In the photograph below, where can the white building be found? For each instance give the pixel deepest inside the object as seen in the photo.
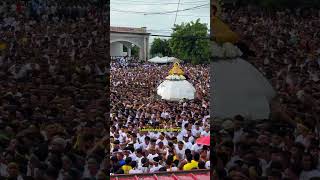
(126, 36)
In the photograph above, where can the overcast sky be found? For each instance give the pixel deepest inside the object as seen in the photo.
(129, 13)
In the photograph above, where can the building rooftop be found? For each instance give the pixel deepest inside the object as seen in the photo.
(142, 30)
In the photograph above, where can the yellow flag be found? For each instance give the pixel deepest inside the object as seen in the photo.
(176, 70)
(3, 46)
(222, 33)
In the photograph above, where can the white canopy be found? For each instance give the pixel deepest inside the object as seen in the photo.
(156, 59)
(163, 60)
(175, 90)
(240, 89)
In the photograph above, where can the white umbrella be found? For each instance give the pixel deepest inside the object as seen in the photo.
(156, 59)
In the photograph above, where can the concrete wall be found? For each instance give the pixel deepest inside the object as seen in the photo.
(116, 49)
(140, 40)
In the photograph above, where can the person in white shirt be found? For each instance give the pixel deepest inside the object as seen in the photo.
(152, 154)
(187, 143)
(170, 165)
(135, 169)
(118, 137)
(144, 165)
(139, 157)
(196, 148)
(196, 129)
(152, 144)
(156, 165)
(309, 168)
(207, 165)
(141, 136)
(180, 149)
(3, 170)
(135, 141)
(161, 149)
(185, 129)
(206, 132)
(145, 142)
(162, 139)
(155, 135)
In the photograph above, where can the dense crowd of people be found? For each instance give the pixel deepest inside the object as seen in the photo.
(142, 140)
(53, 68)
(284, 46)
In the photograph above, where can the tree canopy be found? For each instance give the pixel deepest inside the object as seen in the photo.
(190, 42)
(160, 47)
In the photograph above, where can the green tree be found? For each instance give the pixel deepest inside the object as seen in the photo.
(125, 49)
(190, 42)
(160, 47)
(135, 51)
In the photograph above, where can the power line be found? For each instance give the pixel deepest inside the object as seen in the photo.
(181, 15)
(187, 9)
(156, 1)
(165, 12)
(175, 19)
(155, 4)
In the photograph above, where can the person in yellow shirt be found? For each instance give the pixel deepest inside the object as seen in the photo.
(196, 160)
(127, 167)
(192, 164)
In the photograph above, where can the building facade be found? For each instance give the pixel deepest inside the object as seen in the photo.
(126, 36)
